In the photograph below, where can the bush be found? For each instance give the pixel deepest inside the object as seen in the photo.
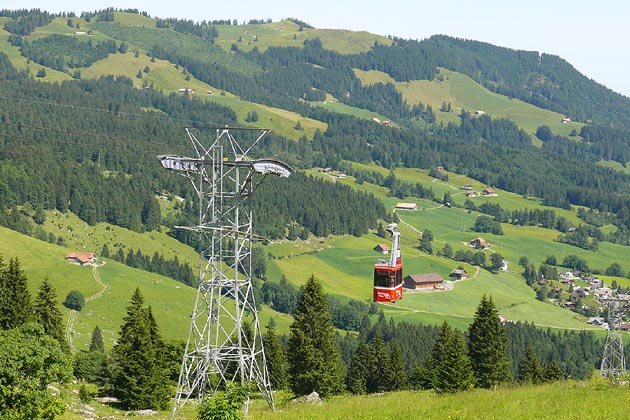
(90, 366)
(86, 395)
(224, 405)
(74, 300)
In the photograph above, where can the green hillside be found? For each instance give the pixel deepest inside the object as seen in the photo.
(288, 34)
(450, 87)
(172, 302)
(81, 237)
(462, 92)
(345, 264)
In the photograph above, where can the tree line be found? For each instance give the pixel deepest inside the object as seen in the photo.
(390, 356)
(64, 53)
(181, 272)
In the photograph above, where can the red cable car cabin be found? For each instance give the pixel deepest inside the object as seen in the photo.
(388, 277)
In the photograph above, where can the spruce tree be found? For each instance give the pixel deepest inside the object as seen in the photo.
(421, 376)
(15, 300)
(358, 370)
(364, 330)
(487, 344)
(552, 372)
(399, 375)
(314, 360)
(97, 344)
(382, 328)
(380, 377)
(277, 364)
(529, 369)
(48, 315)
(452, 370)
(138, 370)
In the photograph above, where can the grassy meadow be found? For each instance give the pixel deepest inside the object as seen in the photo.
(81, 237)
(341, 108)
(595, 399)
(563, 400)
(464, 93)
(286, 33)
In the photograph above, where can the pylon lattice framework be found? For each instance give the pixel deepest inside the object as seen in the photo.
(613, 360)
(225, 340)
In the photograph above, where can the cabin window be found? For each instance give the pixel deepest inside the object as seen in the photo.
(381, 278)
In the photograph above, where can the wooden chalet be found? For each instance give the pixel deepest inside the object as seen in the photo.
(406, 206)
(458, 274)
(423, 281)
(80, 258)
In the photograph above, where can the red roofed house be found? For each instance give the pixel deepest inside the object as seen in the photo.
(384, 248)
(479, 243)
(80, 258)
(424, 281)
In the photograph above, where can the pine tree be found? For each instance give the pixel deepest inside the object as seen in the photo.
(15, 300)
(397, 367)
(529, 370)
(364, 330)
(97, 343)
(314, 360)
(380, 230)
(382, 328)
(277, 364)
(380, 377)
(105, 251)
(447, 251)
(487, 344)
(425, 244)
(421, 376)
(48, 315)
(452, 370)
(356, 376)
(552, 372)
(138, 370)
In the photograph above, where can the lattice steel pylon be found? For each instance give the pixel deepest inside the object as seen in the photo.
(613, 360)
(225, 339)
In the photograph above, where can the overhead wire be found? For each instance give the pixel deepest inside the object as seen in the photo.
(87, 134)
(130, 142)
(142, 115)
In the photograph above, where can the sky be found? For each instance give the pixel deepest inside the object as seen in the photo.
(591, 35)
